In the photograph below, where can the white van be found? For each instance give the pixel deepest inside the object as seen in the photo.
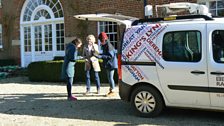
(176, 61)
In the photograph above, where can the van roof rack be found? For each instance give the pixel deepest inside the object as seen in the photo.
(170, 18)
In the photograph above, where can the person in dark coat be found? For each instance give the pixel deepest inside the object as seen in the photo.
(68, 67)
(109, 60)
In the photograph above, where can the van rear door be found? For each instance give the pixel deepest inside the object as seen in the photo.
(120, 19)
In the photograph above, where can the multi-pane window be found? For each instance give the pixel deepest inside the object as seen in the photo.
(43, 39)
(110, 28)
(216, 7)
(48, 37)
(1, 44)
(182, 46)
(55, 6)
(38, 38)
(42, 13)
(60, 37)
(27, 39)
(218, 46)
(0, 3)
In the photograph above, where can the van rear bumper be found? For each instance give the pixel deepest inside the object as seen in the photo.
(124, 90)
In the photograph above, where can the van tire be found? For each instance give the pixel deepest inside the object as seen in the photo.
(146, 101)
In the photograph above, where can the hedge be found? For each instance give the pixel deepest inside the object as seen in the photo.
(7, 62)
(50, 71)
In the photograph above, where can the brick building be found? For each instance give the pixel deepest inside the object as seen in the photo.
(34, 30)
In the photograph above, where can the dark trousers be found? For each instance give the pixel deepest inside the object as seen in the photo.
(69, 86)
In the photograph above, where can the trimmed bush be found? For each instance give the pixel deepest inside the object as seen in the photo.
(45, 71)
(51, 71)
(7, 62)
(58, 58)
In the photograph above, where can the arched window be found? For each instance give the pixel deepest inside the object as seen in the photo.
(54, 5)
(42, 30)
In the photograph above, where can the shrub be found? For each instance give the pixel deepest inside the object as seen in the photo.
(58, 58)
(51, 71)
(45, 71)
(7, 62)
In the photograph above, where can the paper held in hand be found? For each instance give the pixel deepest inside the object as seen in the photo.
(95, 63)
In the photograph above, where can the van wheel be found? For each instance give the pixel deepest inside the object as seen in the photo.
(147, 102)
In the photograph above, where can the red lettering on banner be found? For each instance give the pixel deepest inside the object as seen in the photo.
(149, 41)
(155, 47)
(149, 32)
(152, 29)
(135, 47)
(156, 26)
(137, 72)
(128, 55)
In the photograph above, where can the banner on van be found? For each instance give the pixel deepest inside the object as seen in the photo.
(139, 44)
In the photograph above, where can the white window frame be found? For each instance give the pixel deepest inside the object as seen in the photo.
(1, 43)
(109, 32)
(207, 3)
(57, 17)
(0, 3)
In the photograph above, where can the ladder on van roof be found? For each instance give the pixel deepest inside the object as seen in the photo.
(179, 7)
(196, 11)
(170, 18)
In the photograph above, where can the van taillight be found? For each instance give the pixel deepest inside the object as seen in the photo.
(119, 67)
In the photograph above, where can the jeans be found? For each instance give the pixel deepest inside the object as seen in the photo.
(69, 86)
(110, 77)
(88, 82)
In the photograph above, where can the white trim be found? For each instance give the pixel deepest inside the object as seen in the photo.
(42, 38)
(54, 41)
(207, 2)
(32, 23)
(98, 32)
(42, 7)
(32, 43)
(22, 46)
(1, 37)
(36, 9)
(0, 3)
(48, 21)
(23, 10)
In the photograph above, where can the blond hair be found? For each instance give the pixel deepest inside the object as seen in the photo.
(91, 37)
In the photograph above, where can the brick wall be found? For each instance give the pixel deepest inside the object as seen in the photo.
(10, 20)
(11, 10)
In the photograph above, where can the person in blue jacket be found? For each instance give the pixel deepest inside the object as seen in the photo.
(109, 60)
(68, 67)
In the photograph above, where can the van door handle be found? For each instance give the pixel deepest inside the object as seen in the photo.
(197, 72)
(217, 73)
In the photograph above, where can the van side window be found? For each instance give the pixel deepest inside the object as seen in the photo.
(182, 46)
(218, 46)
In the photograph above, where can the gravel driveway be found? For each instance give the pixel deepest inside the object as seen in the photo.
(25, 103)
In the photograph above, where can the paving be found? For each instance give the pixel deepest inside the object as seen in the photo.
(25, 103)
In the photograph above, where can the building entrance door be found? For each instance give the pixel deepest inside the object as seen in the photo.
(41, 31)
(43, 46)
